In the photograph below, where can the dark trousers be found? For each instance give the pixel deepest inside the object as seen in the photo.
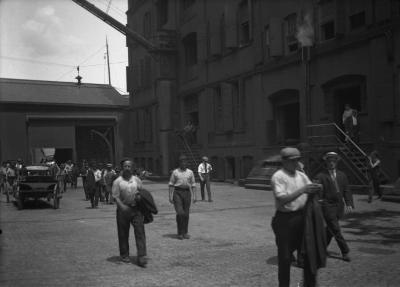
(288, 228)
(182, 199)
(124, 220)
(94, 197)
(85, 189)
(331, 215)
(205, 183)
(375, 184)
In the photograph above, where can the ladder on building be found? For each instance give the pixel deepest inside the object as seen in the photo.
(330, 137)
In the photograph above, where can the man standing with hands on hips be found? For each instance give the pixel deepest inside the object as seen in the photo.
(204, 171)
(182, 188)
(291, 188)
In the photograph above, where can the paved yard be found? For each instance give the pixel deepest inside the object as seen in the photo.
(232, 244)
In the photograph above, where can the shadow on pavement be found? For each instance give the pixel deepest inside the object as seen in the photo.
(171, 235)
(35, 204)
(117, 260)
(360, 225)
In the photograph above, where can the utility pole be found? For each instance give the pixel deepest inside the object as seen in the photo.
(108, 63)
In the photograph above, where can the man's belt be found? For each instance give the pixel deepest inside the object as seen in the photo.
(182, 188)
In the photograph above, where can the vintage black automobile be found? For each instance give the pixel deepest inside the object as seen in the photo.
(37, 181)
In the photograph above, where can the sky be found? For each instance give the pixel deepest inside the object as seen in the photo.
(48, 39)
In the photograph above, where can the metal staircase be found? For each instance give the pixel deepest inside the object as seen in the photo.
(192, 152)
(329, 137)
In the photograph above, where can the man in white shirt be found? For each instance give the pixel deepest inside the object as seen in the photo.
(291, 188)
(204, 171)
(125, 192)
(182, 187)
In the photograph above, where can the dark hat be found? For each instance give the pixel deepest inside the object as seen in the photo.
(125, 159)
(182, 157)
(331, 154)
(290, 153)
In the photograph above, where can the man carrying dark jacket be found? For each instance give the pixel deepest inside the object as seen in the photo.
(336, 199)
(125, 191)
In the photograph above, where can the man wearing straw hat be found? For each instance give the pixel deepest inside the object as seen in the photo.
(204, 171)
(336, 199)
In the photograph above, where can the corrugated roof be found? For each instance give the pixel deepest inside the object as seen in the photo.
(60, 93)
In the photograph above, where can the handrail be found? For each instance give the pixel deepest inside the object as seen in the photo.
(187, 147)
(343, 133)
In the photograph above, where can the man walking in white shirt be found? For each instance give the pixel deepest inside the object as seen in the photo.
(204, 171)
(125, 192)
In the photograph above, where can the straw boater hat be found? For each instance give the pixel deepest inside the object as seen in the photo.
(204, 158)
(331, 154)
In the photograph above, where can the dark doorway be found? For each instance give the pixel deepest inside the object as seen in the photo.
(347, 95)
(288, 116)
(230, 168)
(62, 155)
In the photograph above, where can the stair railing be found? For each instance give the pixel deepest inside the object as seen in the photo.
(353, 147)
(186, 146)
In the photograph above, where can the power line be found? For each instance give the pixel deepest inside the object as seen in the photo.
(35, 61)
(90, 56)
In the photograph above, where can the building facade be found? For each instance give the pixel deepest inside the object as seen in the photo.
(238, 71)
(74, 122)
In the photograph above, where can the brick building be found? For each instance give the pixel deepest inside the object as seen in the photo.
(237, 70)
(76, 122)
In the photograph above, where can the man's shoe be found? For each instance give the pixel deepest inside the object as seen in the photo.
(346, 257)
(186, 236)
(142, 261)
(180, 237)
(126, 259)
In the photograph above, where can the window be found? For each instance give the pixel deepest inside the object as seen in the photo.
(218, 115)
(267, 42)
(244, 23)
(187, 3)
(238, 105)
(147, 25)
(145, 72)
(357, 20)
(148, 124)
(291, 28)
(328, 30)
(162, 12)
(190, 48)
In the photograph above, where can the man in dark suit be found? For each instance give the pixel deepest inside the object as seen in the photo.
(336, 200)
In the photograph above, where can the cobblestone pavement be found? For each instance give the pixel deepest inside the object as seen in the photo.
(232, 244)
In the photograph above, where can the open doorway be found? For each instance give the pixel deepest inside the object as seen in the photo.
(346, 95)
(288, 120)
(287, 116)
(62, 155)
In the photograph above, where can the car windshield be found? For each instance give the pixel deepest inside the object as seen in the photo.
(38, 171)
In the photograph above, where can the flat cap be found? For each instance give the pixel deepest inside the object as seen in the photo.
(290, 153)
